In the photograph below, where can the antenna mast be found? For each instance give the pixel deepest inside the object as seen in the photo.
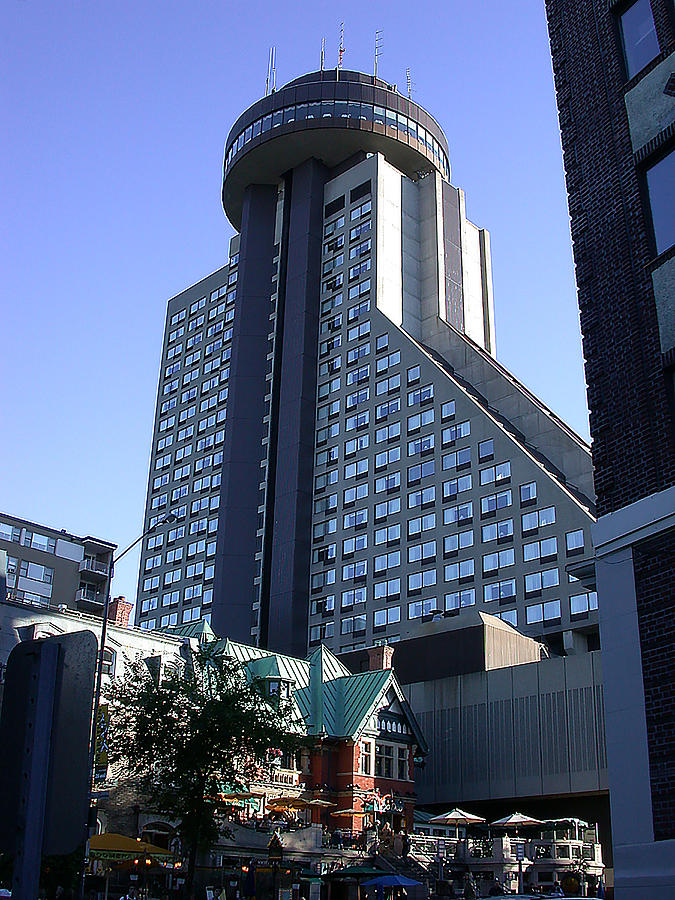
(274, 69)
(341, 50)
(269, 73)
(378, 49)
(409, 82)
(323, 52)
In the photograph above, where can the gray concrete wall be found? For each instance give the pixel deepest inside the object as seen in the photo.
(527, 731)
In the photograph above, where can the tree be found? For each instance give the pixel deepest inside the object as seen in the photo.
(186, 734)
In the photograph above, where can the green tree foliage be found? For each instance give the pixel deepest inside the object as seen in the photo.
(185, 735)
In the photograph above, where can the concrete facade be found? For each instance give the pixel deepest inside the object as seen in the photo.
(50, 567)
(371, 464)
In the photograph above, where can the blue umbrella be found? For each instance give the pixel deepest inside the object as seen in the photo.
(391, 881)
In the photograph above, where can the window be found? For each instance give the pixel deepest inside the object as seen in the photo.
(387, 590)
(453, 543)
(387, 561)
(391, 482)
(417, 609)
(389, 616)
(583, 603)
(421, 395)
(422, 445)
(492, 502)
(319, 632)
(386, 362)
(425, 552)
(574, 541)
(461, 513)
(388, 385)
(420, 420)
(450, 434)
(492, 562)
(351, 598)
(366, 757)
(544, 549)
(388, 535)
(387, 457)
(500, 472)
(497, 531)
(459, 570)
(509, 615)
(486, 449)
(419, 580)
(356, 469)
(542, 612)
(455, 486)
(661, 190)
(538, 581)
(528, 493)
(413, 374)
(425, 497)
(421, 470)
(403, 766)
(388, 433)
(387, 508)
(500, 590)
(384, 761)
(448, 410)
(458, 459)
(638, 36)
(351, 495)
(460, 599)
(353, 624)
(537, 519)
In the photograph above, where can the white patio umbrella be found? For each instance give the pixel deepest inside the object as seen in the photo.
(516, 820)
(456, 816)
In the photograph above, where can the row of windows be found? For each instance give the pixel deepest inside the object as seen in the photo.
(171, 619)
(548, 611)
(341, 109)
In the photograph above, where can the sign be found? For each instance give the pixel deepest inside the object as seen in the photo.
(520, 851)
(441, 848)
(101, 752)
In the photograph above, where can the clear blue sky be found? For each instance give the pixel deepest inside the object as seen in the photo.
(113, 116)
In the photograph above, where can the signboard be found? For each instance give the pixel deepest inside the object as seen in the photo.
(520, 851)
(441, 848)
(101, 752)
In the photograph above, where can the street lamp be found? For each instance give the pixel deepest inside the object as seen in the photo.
(165, 520)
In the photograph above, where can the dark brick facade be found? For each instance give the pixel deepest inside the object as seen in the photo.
(630, 418)
(654, 566)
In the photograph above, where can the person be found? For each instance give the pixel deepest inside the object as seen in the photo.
(398, 844)
(557, 890)
(406, 843)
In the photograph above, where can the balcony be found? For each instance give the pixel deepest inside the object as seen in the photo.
(91, 566)
(90, 598)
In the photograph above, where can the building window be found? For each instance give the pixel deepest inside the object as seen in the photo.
(384, 761)
(403, 764)
(574, 541)
(542, 612)
(661, 191)
(638, 36)
(366, 760)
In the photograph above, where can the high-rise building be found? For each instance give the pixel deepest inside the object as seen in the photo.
(345, 455)
(49, 567)
(614, 66)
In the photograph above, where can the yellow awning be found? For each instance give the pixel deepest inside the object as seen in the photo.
(118, 846)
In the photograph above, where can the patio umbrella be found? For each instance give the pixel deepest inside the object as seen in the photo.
(321, 803)
(348, 812)
(517, 820)
(456, 817)
(279, 803)
(391, 881)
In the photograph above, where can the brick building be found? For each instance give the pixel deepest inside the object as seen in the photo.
(614, 66)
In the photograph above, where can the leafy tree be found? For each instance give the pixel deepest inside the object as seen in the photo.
(183, 736)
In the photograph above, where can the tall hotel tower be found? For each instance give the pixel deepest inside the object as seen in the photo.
(344, 453)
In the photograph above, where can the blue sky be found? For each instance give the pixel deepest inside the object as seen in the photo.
(114, 114)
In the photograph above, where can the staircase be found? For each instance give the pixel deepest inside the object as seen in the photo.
(409, 868)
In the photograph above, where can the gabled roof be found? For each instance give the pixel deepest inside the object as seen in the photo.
(331, 700)
(200, 630)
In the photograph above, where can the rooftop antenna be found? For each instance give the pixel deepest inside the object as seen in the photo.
(408, 82)
(378, 49)
(269, 73)
(323, 52)
(274, 69)
(341, 50)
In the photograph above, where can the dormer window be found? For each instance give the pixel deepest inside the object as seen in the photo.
(279, 688)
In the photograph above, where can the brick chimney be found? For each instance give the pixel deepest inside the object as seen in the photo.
(119, 612)
(380, 657)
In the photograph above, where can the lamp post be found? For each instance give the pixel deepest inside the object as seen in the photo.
(165, 520)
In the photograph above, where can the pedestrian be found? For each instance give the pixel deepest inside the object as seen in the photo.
(406, 843)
